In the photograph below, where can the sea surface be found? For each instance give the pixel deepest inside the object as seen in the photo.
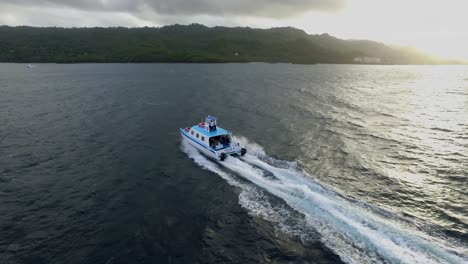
(345, 164)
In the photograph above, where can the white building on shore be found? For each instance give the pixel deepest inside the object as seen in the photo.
(370, 60)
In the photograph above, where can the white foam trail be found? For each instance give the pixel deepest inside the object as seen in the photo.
(254, 199)
(355, 233)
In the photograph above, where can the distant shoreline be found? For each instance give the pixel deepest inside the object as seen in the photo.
(197, 44)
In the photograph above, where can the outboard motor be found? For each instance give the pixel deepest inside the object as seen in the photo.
(223, 156)
(243, 151)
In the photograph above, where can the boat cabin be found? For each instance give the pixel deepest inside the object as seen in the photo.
(210, 134)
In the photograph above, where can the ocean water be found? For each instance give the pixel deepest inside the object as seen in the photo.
(345, 163)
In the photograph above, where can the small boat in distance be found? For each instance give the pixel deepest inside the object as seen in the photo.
(212, 140)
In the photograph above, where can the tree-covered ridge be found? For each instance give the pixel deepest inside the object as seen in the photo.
(192, 43)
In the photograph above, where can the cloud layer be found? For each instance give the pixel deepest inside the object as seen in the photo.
(263, 8)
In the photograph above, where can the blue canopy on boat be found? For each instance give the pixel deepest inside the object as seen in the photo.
(218, 132)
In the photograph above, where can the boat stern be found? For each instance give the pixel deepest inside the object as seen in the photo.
(235, 149)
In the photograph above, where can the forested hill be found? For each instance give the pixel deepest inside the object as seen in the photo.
(192, 43)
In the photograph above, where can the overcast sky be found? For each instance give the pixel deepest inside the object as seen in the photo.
(436, 26)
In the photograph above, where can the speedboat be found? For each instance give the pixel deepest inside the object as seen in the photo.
(212, 140)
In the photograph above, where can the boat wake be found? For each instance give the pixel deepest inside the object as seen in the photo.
(280, 192)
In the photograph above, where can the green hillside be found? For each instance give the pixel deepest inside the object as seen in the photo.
(193, 43)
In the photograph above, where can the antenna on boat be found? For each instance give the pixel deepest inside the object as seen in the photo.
(210, 123)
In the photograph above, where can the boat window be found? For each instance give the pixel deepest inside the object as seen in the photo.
(192, 132)
(203, 138)
(197, 135)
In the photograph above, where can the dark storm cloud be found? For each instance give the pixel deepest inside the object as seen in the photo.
(91, 5)
(264, 8)
(267, 8)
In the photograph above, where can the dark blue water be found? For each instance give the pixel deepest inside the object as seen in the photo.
(346, 163)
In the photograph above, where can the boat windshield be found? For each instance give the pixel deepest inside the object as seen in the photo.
(219, 142)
